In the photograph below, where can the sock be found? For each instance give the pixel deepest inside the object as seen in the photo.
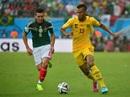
(39, 82)
(42, 74)
(97, 76)
(94, 82)
(101, 83)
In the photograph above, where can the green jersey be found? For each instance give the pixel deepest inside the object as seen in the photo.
(40, 32)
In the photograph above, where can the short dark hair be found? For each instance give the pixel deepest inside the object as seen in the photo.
(82, 6)
(39, 10)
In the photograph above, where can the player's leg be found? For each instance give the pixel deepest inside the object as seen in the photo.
(45, 57)
(42, 57)
(39, 83)
(42, 69)
(82, 64)
(96, 73)
(38, 62)
(86, 70)
(95, 86)
(88, 52)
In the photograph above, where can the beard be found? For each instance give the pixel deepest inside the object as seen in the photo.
(82, 18)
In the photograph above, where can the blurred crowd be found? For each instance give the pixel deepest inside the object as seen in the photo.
(110, 44)
(62, 8)
(66, 9)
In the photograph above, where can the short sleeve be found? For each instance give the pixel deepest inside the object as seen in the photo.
(50, 28)
(69, 23)
(95, 22)
(27, 28)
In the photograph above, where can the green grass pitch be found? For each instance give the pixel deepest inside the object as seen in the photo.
(18, 75)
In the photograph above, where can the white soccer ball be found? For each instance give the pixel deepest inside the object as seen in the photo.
(63, 88)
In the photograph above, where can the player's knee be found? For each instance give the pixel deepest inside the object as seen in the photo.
(90, 61)
(39, 66)
(45, 62)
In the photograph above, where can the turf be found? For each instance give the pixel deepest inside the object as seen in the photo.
(18, 75)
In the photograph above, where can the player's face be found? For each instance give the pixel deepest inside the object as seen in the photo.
(81, 14)
(39, 17)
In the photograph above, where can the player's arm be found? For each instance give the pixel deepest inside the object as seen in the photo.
(25, 40)
(52, 38)
(110, 32)
(63, 30)
(65, 26)
(99, 24)
(106, 29)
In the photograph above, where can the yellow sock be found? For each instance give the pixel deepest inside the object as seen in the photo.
(97, 75)
(101, 83)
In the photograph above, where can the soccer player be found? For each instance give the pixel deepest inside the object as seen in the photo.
(43, 39)
(83, 50)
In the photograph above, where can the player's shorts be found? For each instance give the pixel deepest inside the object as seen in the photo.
(82, 53)
(41, 52)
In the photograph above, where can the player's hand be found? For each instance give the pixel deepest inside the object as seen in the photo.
(69, 34)
(52, 50)
(116, 35)
(66, 33)
(29, 51)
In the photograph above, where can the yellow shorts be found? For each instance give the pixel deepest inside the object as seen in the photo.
(82, 53)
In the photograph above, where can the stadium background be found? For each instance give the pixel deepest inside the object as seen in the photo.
(14, 15)
(18, 74)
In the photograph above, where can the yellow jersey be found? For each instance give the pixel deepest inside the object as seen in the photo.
(81, 31)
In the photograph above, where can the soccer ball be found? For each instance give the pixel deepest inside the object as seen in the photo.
(63, 88)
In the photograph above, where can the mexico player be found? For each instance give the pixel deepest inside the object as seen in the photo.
(43, 44)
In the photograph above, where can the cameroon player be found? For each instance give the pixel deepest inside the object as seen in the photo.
(82, 26)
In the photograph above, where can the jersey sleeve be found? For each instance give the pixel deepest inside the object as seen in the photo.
(50, 28)
(27, 28)
(68, 23)
(95, 22)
